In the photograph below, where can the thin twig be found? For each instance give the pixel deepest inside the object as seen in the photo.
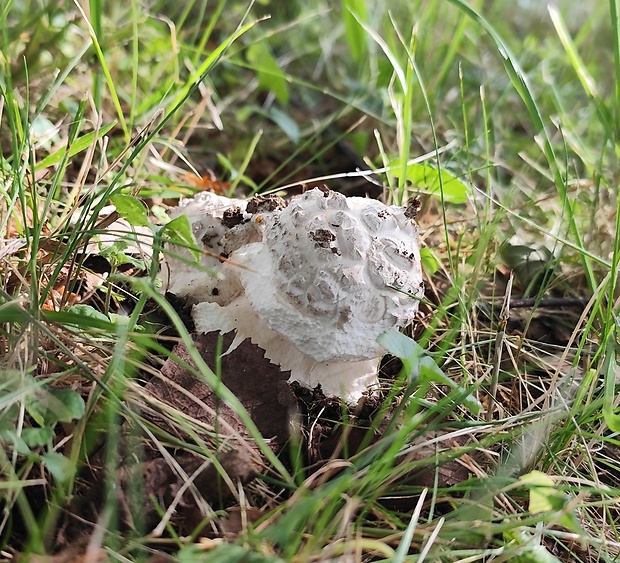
(499, 347)
(548, 302)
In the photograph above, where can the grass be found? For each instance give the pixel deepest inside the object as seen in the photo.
(516, 109)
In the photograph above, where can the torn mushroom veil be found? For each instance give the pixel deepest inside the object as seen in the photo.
(313, 283)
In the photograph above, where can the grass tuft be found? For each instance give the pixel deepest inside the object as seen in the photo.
(497, 441)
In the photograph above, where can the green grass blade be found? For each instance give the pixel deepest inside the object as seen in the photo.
(405, 543)
(75, 147)
(586, 79)
(521, 85)
(354, 12)
(105, 69)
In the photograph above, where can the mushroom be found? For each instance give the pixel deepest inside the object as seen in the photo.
(221, 225)
(313, 284)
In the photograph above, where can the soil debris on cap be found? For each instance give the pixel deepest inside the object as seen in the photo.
(265, 203)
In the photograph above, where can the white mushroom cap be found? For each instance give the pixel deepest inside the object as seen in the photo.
(320, 281)
(347, 379)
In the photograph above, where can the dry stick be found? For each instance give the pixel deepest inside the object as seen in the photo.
(499, 346)
(548, 302)
(361, 173)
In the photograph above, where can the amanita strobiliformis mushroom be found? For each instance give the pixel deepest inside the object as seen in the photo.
(313, 283)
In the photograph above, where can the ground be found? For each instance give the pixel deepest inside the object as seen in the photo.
(128, 436)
